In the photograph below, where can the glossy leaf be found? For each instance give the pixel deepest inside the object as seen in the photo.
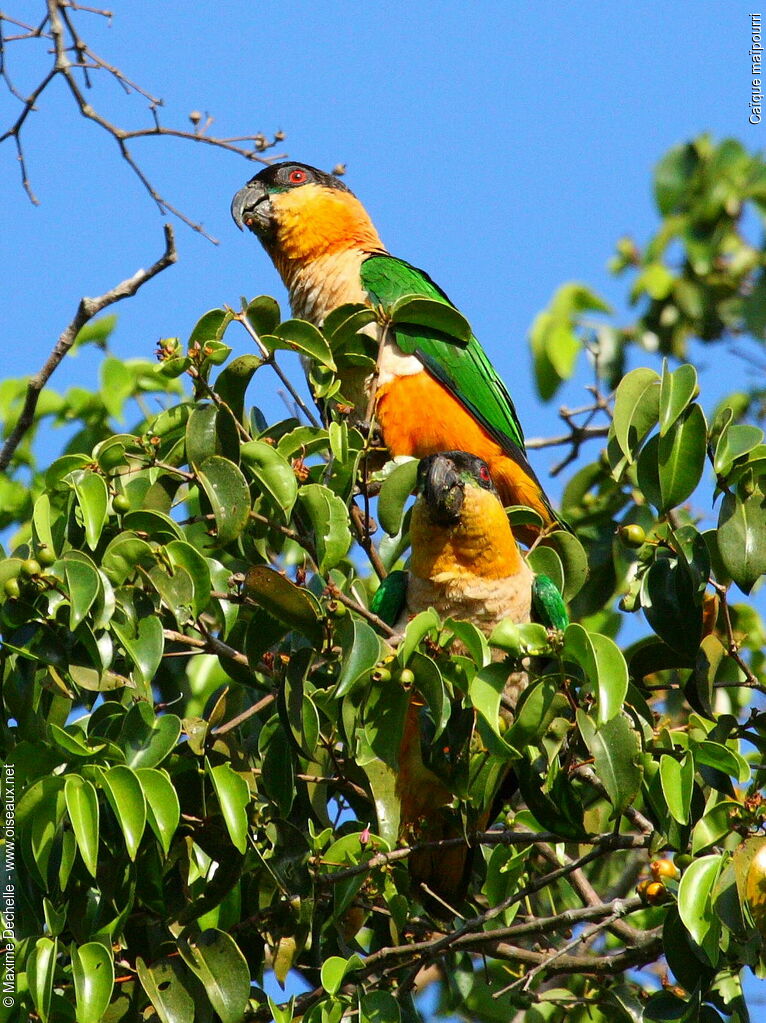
(83, 585)
(144, 646)
(293, 605)
(231, 383)
(211, 430)
(234, 797)
(615, 749)
(695, 903)
(273, 472)
(216, 959)
(604, 666)
(636, 409)
(93, 973)
(146, 738)
(93, 498)
(394, 494)
(677, 390)
(362, 651)
(334, 969)
(329, 519)
(167, 990)
(229, 496)
(303, 337)
(742, 538)
(677, 777)
(82, 807)
(734, 442)
(425, 312)
(264, 315)
(41, 967)
(162, 807)
(126, 798)
(681, 457)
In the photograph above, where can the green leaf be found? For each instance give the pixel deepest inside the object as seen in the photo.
(156, 524)
(677, 390)
(162, 807)
(379, 1007)
(616, 753)
(234, 797)
(273, 472)
(147, 738)
(41, 966)
(636, 409)
(293, 605)
(668, 601)
(93, 973)
(232, 382)
(83, 585)
(229, 496)
(362, 650)
(82, 807)
(93, 499)
(417, 628)
(211, 430)
(334, 969)
(264, 314)
(695, 903)
(303, 337)
(144, 645)
(426, 312)
(677, 778)
(329, 518)
(210, 327)
(603, 665)
(714, 754)
(124, 553)
(167, 989)
(126, 798)
(734, 442)
(394, 493)
(742, 538)
(216, 959)
(183, 555)
(681, 457)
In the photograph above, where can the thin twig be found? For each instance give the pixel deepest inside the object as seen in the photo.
(268, 357)
(88, 308)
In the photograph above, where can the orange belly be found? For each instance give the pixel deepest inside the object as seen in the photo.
(419, 417)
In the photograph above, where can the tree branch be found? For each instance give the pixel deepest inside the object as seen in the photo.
(71, 54)
(88, 308)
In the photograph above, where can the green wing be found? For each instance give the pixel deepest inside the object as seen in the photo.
(463, 369)
(548, 606)
(390, 598)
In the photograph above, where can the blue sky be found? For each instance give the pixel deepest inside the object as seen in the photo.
(502, 146)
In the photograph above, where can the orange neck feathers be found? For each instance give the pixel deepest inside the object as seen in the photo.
(313, 222)
(481, 545)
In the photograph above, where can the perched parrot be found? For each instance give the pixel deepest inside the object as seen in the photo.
(466, 564)
(432, 393)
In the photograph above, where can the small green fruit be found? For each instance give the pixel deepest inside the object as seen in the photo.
(632, 535)
(120, 503)
(31, 567)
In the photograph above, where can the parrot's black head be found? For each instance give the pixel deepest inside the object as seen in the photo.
(257, 205)
(442, 482)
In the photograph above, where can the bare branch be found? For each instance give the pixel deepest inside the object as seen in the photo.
(72, 57)
(88, 308)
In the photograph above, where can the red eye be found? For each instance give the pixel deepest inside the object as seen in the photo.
(484, 474)
(297, 176)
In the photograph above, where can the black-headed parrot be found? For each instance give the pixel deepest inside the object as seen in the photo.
(466, 564)
(432, 392)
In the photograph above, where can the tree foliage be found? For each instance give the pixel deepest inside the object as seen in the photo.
(204, 717)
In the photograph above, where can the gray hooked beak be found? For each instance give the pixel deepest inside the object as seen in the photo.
(251, 208)
(442, 489)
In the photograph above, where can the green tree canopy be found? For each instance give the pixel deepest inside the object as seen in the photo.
(204, 718)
